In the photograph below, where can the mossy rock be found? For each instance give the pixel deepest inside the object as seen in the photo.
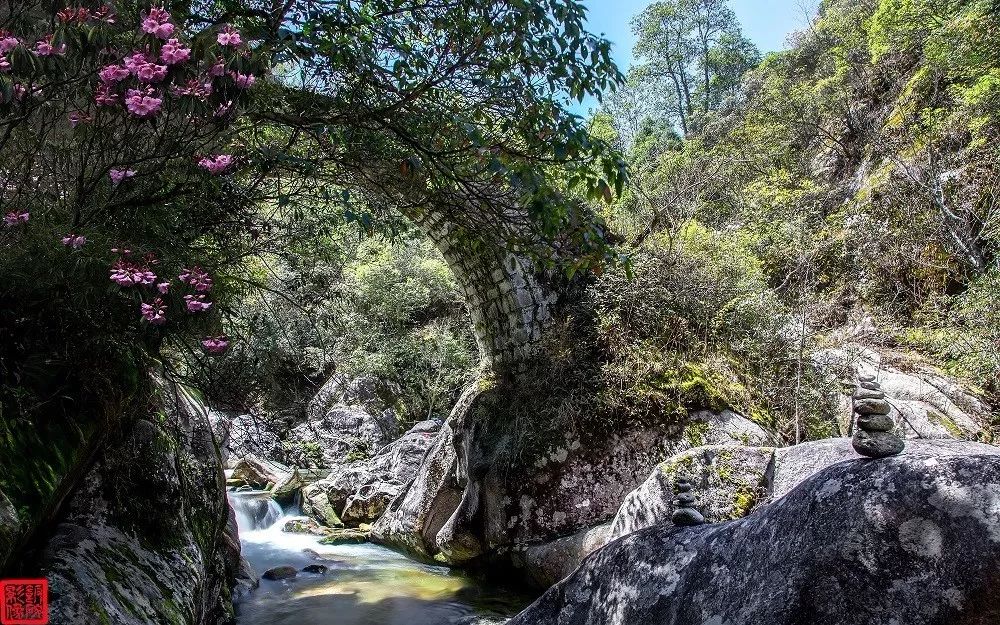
(728, 481)
(345, 536)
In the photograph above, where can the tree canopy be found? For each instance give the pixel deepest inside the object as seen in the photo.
(693, 55)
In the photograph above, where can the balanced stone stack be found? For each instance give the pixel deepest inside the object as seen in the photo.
(685, 513)
(874, 436)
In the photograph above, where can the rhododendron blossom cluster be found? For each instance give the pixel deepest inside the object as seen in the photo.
(127, 273)
(229, 37)
(8, 42)
(157, 23)
(44, 47)
(82, 15)
(197, 279)
(14, 218)
(173, 52)
(148, 86)
(196, 303)
(114, 73)
(117, 175)
(143, 103)
(215, 344)
(243, 81)
(154, 312)
(216, 164)
(75, 241)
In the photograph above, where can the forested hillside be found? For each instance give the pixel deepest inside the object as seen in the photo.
(846, 189)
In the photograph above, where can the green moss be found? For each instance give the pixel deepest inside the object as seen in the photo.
(947, 423)
(743, 502)
(723, 471)
(172, 611)
(98, 610)
(675, 466)
(695, 433)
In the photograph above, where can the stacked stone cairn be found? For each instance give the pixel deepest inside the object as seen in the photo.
(874, 436)
(685, 514)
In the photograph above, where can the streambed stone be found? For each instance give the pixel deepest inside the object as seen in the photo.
(284, 571)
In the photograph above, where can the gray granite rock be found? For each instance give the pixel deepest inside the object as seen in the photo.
(910, 539)
(877, 444)
(150, 537)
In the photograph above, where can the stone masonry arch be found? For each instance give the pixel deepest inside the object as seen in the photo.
(510, 303)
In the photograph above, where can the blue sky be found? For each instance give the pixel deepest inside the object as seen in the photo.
(767, 22)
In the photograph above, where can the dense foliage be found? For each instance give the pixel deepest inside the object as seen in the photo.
(382, 309)
(857, 170)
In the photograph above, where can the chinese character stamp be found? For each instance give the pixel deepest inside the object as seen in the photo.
(25, 602)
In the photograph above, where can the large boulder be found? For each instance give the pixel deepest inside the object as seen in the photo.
(547, 563)
(474, 497)
(413, 519)
(371, 394)
(910, 539)
(925, 402)
(242, 435)
(149, 538)
(359, 492)
(339, 434)
(259, 473)
(729, 481)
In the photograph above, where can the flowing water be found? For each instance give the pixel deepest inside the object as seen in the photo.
(364, 585)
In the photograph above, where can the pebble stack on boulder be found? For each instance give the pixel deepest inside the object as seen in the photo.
(685, 514)
(874, 436)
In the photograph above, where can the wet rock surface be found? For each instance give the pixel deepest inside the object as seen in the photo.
(149, 538)
(284, 571)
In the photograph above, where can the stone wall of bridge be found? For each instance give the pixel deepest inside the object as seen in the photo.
(509, 304)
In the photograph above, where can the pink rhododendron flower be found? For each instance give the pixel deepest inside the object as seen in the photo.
(13, 218)
(75, 241)
(8, 42)
(173, 52)
(196, 303)
(143, 103)
(117, 175)
(44, 47)
(199, 88)
(243, 81)
(151, 72)
(157, 23)
(229, 37)
(134, 61)
(127, 273)
(4, 64)
(218, 69)
(215, 344)
(163, 287)
(216, 164)
(104, 96)
(113, 73)
(154, 312)
(197, 278)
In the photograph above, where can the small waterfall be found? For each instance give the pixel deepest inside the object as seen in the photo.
(255, 510)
